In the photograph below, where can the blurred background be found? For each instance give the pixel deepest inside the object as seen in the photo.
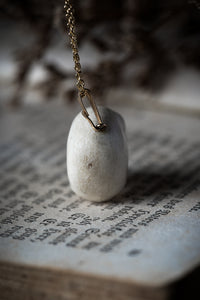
(135, 51)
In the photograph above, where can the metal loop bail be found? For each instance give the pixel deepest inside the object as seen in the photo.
(98, 127)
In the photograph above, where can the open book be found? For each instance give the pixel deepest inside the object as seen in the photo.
(140, 245)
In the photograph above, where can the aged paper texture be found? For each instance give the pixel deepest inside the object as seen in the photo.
(148, 234)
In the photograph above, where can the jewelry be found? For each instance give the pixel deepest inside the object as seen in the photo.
(97, 157)
(83, 92)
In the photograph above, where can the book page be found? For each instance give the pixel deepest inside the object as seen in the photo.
(148, 234)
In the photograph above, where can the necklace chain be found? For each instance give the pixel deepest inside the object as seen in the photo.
(83, 92)
(73, 42)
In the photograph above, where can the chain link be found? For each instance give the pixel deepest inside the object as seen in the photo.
(83, 92)
(73, 42)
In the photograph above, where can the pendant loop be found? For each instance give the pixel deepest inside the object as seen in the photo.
(86, 93)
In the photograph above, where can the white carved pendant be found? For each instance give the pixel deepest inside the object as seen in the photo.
(97, 162)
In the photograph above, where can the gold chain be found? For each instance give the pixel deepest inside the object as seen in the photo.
(83, 92)
(73, 42)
